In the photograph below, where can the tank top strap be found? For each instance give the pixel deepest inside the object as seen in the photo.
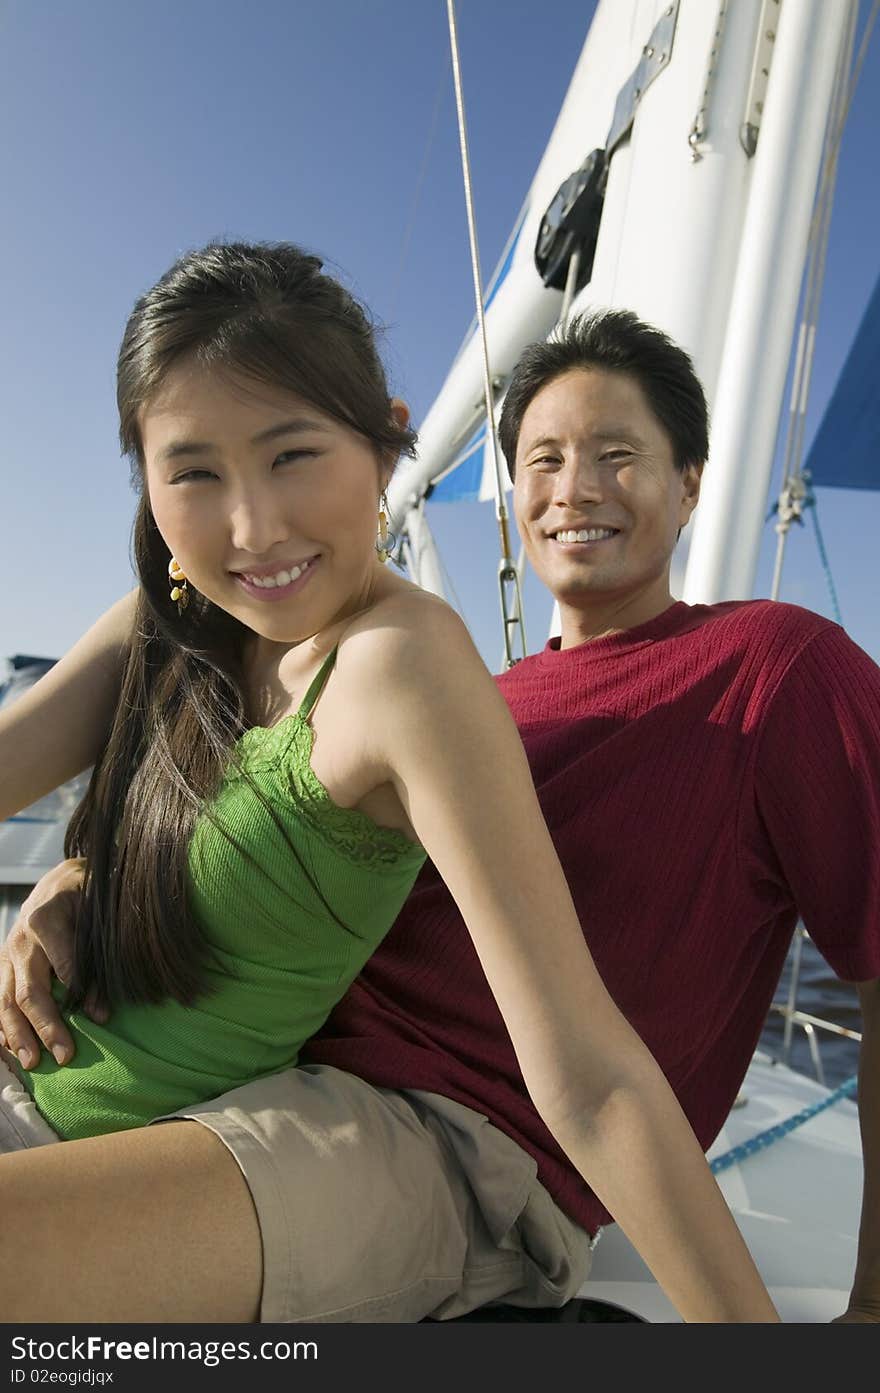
(317, 684)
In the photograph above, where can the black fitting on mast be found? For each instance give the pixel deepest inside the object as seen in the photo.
(571, 223)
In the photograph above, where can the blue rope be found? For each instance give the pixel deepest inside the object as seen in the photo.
(810, 502)
(762, 1140)
(827, 568)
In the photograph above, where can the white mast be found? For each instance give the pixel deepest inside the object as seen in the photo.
(420, 551)
(678, 188)
(729, 520)
(711, 175)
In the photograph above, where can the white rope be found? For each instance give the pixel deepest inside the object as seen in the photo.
(500, 505)
(863, 51)
(508, 577)
(793, 490)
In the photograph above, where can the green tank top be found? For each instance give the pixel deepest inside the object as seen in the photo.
(291, 913)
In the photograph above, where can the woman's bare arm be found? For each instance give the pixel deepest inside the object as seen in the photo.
(53, 731)
(60, 725)
(455, 757)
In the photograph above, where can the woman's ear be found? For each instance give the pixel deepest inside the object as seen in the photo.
(400, 415)
(400, 412)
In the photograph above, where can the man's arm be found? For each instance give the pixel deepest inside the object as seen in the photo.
(59, 727)
(38, 949)
(864, 1302)
(818, 792)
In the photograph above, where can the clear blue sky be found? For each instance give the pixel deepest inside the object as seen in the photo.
(133, 131)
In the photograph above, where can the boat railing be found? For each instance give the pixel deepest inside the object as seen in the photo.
(793, 1017)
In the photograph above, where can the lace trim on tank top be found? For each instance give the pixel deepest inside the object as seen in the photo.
(286, 750)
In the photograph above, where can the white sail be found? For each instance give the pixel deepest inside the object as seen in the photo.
(719, 161)
(761, 322)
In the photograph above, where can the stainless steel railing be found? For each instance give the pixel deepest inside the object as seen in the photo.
(788, 1009)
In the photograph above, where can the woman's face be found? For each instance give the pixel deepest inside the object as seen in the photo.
(269, 505)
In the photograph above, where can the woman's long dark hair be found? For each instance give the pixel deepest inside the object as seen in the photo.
(265, 312)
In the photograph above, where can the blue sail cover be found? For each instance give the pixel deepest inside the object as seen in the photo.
(462, 483)
(845, 453)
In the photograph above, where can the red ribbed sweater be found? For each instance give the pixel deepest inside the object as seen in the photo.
(706, 777)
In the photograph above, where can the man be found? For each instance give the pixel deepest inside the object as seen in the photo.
(707, 773)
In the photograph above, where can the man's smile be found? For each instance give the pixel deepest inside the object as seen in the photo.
(569, 536)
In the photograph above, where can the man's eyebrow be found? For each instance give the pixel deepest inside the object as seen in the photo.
(618, 431)
(544, 440)
(614, 431)
(180, 448)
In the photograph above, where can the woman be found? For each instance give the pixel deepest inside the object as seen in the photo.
(297, 727)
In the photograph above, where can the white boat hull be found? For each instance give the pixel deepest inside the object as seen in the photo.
(796, 1202)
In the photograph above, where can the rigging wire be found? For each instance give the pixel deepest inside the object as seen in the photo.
(818, 244)
(862, 54)
(419, 184)
(508, 577)
(795, 493)
(447, 576)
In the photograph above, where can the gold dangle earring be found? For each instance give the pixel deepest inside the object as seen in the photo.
(179, 591)
(385, 541)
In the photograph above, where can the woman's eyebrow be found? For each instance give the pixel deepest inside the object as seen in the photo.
(300, 424)
(184, 447)
(178, 448)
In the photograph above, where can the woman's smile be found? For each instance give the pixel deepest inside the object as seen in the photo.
(279, 584)
(285, 492)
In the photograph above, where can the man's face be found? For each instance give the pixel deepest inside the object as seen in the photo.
(598, 499)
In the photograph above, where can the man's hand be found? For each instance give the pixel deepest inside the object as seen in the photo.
(39, 946)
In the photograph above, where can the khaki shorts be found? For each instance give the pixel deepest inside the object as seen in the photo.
(378, 1205)
(21, 1124)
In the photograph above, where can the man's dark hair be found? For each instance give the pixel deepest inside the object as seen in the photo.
(615, 341)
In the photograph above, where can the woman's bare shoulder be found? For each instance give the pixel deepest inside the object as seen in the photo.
(410, 631)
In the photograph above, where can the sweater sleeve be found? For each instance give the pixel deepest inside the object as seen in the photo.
(817, 783)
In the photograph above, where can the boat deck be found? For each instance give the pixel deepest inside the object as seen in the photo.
(796, 1201)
